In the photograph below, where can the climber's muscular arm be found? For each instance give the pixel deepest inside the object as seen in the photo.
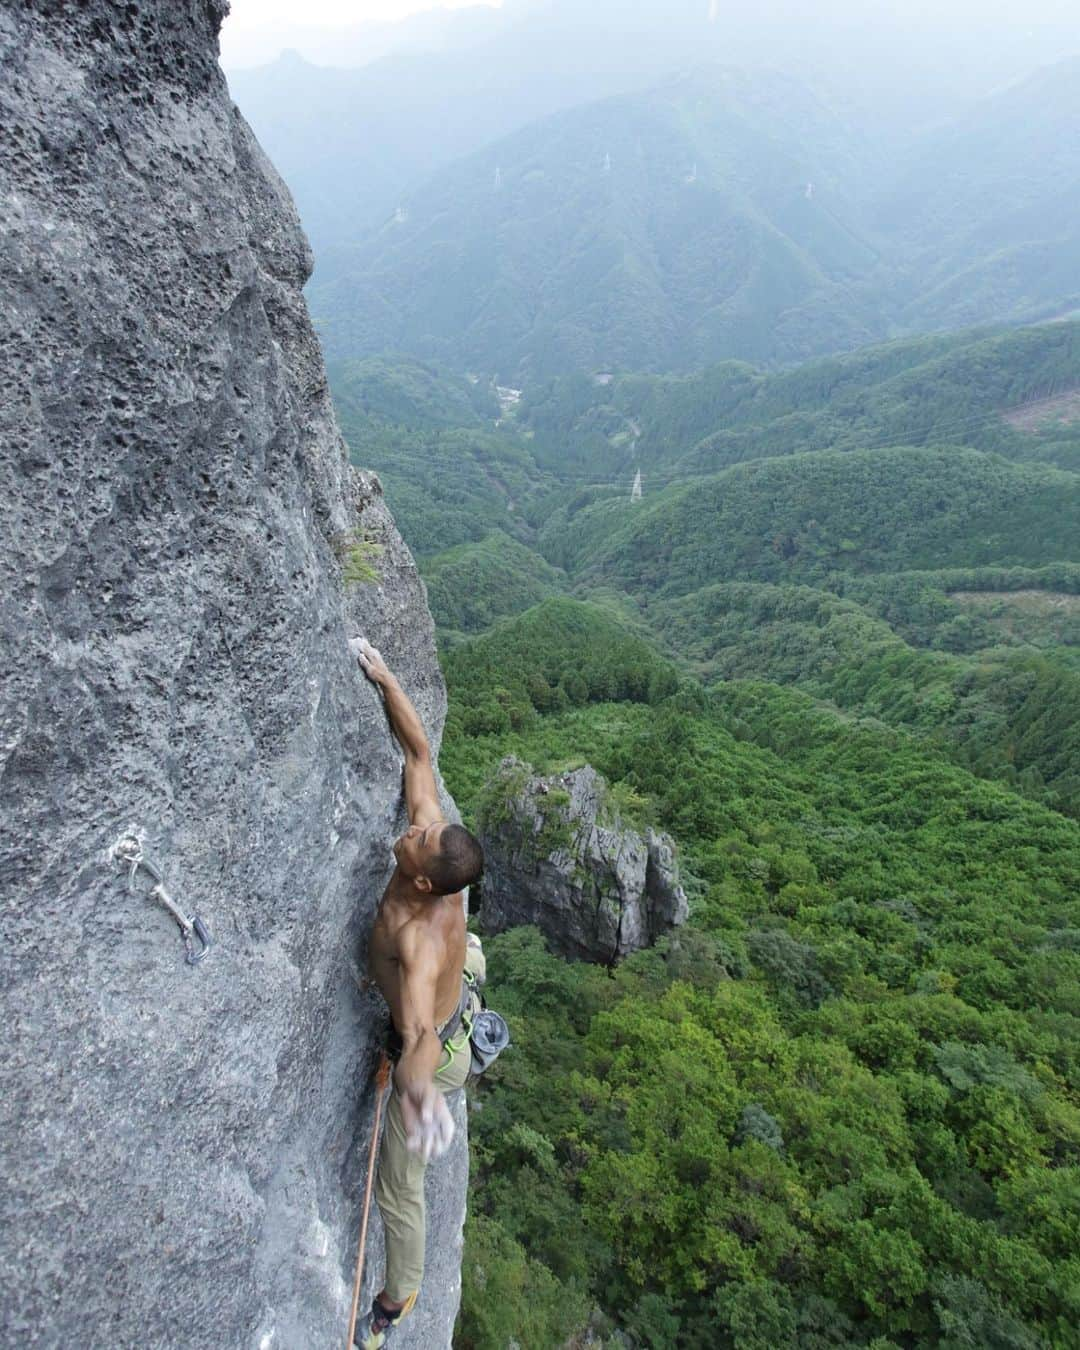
(421, 955)
(421, 795)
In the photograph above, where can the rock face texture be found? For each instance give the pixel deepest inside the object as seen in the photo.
(558, 855)
(183, 1147)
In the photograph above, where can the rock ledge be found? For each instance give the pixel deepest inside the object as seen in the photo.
(561, 854)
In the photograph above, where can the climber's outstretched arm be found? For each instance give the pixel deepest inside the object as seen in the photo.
(421, 794)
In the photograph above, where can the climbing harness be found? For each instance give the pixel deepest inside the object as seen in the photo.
(485, 1036)
(449, 1037)
(129, 851)
(473, 1029)
(447, 1032)
(487, 1032)
(382, 1080)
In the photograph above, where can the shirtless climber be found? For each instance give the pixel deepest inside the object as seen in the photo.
(419, 953)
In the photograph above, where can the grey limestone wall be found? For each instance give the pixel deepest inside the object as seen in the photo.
(182, 1147)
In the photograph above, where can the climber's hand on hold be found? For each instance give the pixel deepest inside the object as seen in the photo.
(371, 662)
(429, 1126)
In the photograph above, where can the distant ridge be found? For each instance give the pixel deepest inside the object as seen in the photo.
(649, 231)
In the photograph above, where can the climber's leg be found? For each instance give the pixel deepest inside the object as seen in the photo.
(399, 1188)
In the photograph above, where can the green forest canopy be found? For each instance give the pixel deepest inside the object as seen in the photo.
(839, 1109)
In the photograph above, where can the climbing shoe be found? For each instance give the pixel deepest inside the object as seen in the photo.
(377, 1328)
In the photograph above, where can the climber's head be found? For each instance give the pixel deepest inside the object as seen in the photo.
(439, 859)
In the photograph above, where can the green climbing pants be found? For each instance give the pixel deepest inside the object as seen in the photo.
(399, 1188)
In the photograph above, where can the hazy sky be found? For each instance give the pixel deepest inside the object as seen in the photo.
(256, 30)
(256, 14)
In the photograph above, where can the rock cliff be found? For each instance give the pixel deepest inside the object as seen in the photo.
(558, 854)
(183, 1146)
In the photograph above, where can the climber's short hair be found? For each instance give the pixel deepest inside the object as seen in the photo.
(459, 862)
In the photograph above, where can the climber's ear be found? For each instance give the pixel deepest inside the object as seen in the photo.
(422, 883)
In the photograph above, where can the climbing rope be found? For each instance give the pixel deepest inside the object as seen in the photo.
(382, 1079)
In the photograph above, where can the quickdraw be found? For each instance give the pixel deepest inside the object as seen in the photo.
(129, 851)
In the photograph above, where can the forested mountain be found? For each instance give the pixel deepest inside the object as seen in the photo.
(459, 459)
(802, 563)
(351, 142)
(472, 586)
(724, 215)
(800, 518)
(656, 231)
(1002, 240)
(1012, 714)
(966, 388)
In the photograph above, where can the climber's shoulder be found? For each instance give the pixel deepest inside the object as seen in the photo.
(420, 942)
(431, 933)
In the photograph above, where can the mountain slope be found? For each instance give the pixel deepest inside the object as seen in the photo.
(987, 210)
(451, 473)
(1008, 715)
(805, 516)
(472, 586)
(705, 219)
(724, 214)
(350, 142)
(957, 388)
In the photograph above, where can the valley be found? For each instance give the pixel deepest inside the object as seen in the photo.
(834, 650)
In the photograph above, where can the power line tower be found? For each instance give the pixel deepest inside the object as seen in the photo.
(635, 491)
(498, 178)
